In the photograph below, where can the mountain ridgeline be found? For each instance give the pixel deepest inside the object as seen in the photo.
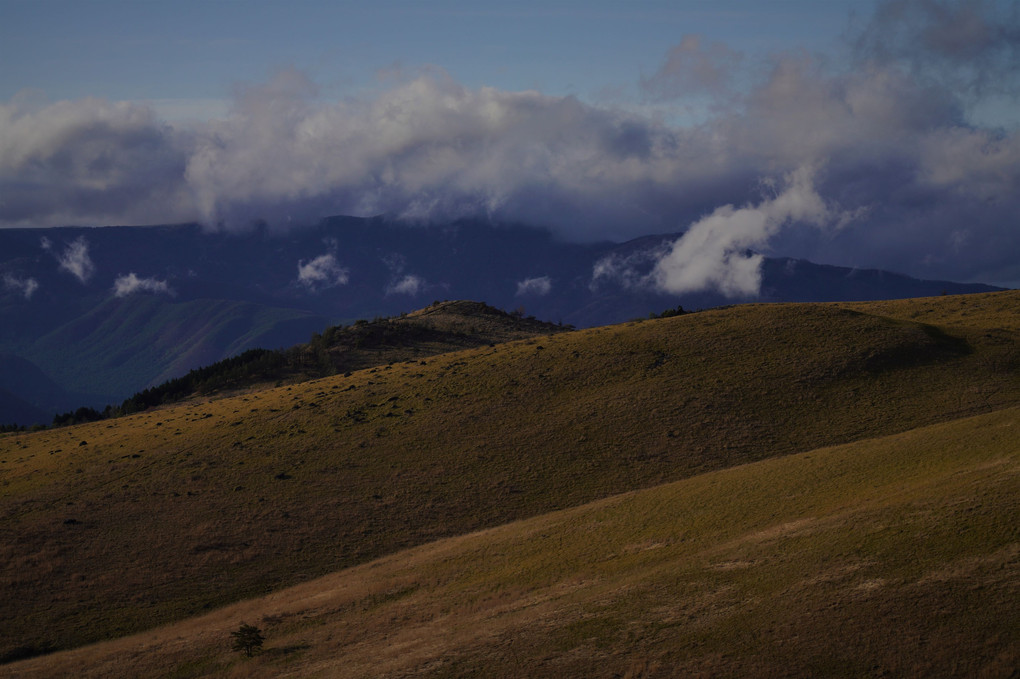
(439, 328)
(103, 313)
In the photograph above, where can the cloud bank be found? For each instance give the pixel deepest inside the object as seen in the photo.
(890, 125)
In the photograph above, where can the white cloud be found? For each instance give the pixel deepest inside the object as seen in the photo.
(890, 121)
(714, 253)
(322, 272)
(408, 285)
(89, 161)
(76, 261)
(26, 286)
(539, 286)
(131, 284)
(628, 271)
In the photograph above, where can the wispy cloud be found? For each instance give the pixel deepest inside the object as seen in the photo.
(695, 67)
(713, 252)
(408, 285)
(25, 286)
(539, 286)
(717, 252)
(76, 261)
(131, 284)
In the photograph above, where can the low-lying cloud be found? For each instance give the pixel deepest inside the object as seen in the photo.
(538, 286)
(714, 252)
(892, 123)
(24, 286)
(131, 284)
(322, 272)
(76, 261)
(409, 284)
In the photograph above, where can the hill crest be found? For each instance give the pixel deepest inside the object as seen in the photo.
(269, 488)
(439, 328)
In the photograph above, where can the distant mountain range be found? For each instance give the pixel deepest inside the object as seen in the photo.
(89, 316)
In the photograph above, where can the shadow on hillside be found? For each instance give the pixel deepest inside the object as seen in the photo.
(284, 651)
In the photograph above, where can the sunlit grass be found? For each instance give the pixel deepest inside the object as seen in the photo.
(166, 514)
(897, 555)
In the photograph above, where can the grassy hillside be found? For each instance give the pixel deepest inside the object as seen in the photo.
(439, 328)
(117, 526)
(897, 556)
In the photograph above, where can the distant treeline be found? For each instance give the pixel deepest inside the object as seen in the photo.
(322, 356)
(245, 368)
(254, 365)
(250, 367)
(669, 313)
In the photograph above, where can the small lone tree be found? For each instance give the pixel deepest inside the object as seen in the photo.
(247, 638)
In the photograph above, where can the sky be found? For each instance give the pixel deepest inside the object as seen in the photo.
(182, 56)
(875, 134)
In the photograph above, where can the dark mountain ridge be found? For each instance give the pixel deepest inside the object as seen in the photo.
(106, 312)
(440, 328)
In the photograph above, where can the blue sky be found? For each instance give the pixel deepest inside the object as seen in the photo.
(879, 134)
(182, 55)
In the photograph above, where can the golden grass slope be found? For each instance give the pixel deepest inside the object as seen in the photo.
(897, 556)
(118, 526)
